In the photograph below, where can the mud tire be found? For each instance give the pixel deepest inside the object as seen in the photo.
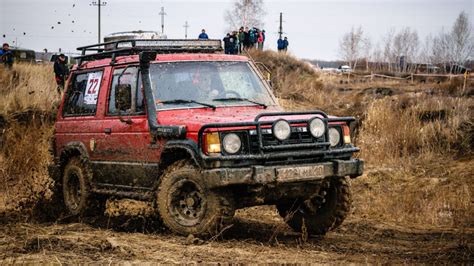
(329, 216)
(186, 206)
(76, 189)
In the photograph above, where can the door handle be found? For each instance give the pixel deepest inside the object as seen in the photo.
(107, 130)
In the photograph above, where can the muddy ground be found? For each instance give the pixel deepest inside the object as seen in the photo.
(257, 235)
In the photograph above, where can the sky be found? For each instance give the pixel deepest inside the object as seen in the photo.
(313, 28)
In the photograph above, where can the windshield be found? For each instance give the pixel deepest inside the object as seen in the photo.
(215, 83)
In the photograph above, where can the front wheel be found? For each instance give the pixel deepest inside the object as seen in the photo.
(186, 206)
(327, 215)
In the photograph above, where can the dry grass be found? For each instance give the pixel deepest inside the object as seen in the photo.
(27, 87)
(27, 110)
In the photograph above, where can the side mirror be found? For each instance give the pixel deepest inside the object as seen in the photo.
(123, 97)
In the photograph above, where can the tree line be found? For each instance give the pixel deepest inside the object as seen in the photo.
(403, 51)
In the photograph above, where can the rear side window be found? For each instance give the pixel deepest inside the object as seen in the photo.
(82, 94)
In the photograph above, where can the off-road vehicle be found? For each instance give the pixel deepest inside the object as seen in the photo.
(199, 134)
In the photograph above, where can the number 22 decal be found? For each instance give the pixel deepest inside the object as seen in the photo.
(93, 86)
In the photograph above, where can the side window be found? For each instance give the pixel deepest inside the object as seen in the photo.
(82, 94)
(131, 77)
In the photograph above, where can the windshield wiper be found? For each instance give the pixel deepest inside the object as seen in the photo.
(240, 100)
(181, 101)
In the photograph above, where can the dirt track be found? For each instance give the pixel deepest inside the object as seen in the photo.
(258, 235)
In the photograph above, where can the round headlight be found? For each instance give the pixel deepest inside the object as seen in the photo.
(334, 137)
(281, 130)
(231, 143)
(317, 127)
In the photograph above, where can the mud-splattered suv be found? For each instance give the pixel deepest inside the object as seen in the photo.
(198, 133)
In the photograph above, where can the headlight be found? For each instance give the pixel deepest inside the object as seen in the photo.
(232, 143)
(334, 137)
(281, 130)
(317, 127)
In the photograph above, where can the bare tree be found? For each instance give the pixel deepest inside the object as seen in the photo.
(351, 46)
(245, 13)
(406, 44)
(442, 52)
(367, 51)
(462, 43)
(388, 48)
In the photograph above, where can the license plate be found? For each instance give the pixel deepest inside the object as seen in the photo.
(300, 173)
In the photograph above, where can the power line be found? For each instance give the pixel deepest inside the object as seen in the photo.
(99, 4)
(162, 14)
(186, 26)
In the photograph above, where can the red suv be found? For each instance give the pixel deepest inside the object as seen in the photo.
(199, 134)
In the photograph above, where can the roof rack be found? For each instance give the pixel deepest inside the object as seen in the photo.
(134, 46)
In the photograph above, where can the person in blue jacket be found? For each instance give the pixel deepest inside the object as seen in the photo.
(280, 44)
(203, 35)
(285, 44)
(6, 55)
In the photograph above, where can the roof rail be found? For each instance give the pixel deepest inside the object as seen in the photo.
(134, 46)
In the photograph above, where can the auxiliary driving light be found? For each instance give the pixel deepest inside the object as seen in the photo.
(213, 143)
(317, 127)
(281, 130)
(334, 137)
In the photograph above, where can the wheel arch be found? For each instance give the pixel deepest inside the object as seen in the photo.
(70, 150)
(178, 150)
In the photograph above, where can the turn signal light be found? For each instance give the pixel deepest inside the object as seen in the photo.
(347, 134)
(213, 142)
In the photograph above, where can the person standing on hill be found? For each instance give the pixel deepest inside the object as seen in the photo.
(260, 40)
(7, 56)
(285, 44)
(203, 35)
(246, 38)
(61, 71)
(241, 39)
(227, 44)
(280, 44)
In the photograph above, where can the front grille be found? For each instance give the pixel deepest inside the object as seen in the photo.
(268, 139)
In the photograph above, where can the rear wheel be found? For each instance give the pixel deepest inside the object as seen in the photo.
(322, 216)
(78, 197)
(186, 206)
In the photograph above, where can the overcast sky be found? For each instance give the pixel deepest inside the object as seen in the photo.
(314, 28)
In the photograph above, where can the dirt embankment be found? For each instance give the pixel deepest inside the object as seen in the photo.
(414, 204)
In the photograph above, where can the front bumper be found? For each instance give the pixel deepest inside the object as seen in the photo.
(261, 175)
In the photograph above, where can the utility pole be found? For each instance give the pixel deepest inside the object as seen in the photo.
(162, 14)
(186, 26)
(99, 4)
(280, 29)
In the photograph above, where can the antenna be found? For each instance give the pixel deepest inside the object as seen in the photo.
(186, 26)
(99, 4)
(162, 14)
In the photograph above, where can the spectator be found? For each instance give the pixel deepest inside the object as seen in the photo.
(61, 71)
(260, 40)
(203, 35)
(227, 44)
(285, 44)
(235, 44)
(246, 38)
(241, 39)
(7, 56)
(280, 44)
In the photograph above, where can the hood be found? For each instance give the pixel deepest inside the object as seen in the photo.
(195, 118)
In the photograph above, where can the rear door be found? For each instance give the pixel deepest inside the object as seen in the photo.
(80, 122)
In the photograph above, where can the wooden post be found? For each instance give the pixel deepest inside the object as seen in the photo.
(411, 78)
(371, 76)
(465, 80)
